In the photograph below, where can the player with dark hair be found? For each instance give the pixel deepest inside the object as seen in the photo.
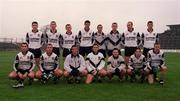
(74, 66)
(95, 64)
(23, 66)
(85, 37)
(49, 66)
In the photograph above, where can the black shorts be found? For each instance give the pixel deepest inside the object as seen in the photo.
(103, 51)
(23, 71)
(37, 52)
(85, 50)
(48, 71)
(56, 51)
(66, 52)
(129, 51)
(145, 51)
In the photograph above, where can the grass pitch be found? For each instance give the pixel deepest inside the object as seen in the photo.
(106, 91)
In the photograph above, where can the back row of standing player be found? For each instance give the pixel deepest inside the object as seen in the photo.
(130, 39)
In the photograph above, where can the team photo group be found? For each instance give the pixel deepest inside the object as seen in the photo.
(89, 56)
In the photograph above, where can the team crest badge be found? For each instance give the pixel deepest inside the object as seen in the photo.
(38, 35)
(89, 33)
(53, 58)
(72, 36)
(56, 36)
(134, 33)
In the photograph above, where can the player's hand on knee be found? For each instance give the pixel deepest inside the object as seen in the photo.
(94, 72)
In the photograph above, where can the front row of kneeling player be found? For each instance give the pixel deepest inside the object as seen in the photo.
(93, 68)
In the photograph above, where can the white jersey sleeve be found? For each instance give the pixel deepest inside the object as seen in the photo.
(67, 62)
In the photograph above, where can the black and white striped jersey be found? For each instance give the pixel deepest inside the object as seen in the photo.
(113, 40)
(100, 39)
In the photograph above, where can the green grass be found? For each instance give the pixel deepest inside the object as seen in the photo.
(106, 91)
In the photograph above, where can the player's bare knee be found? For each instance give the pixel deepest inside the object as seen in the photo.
(66, 74)
(12, 76)
(31, 75)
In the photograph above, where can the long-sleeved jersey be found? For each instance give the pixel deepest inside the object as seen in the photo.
(113, 40)
(74, 62)
(85, 38)
(34, 40)
(95, 61)
(155, 60)
(137, 63)
(148, 39)
(48, 62)
(131, 39)
(24, 62)
(100, 39)
(53, 38)
(68, 40)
